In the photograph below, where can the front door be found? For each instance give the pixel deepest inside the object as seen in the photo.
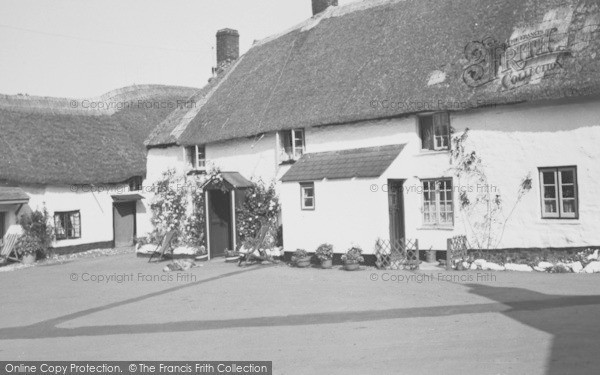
(124, 223)
(2, 224)
(219, 221)
(396, 211)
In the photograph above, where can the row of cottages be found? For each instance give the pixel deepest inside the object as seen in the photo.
(83, 160)
(361, 112)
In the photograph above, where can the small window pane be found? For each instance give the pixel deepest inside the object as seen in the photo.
(550, 206)
(569, 206)
(566, 176)
(568, 191)
(549, 192)
(548, 178)
(426, 130)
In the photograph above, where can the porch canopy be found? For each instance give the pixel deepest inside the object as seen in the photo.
(231, 181)
(13, 195)
(358, 162)
(126, 197)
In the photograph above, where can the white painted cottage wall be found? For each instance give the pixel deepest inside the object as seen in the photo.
(159, 160)
(344, 216)
(512, 141)
(253, 157)
(95, 209)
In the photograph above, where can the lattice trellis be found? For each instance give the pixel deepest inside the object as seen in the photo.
(397, 255)
(457, 250)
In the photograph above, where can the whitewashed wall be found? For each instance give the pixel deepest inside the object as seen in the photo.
(344, 216)
(96, 209)
(160, 160)
(253, 157)
(512, 141)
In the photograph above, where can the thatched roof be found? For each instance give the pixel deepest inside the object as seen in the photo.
(59, 141)
(339, 66)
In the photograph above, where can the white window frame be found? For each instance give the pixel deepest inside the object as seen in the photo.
(438, 119)
(297, 151)
(558, 193)
(304, 187)
(438, 209)
(62, 233)
(197, 163)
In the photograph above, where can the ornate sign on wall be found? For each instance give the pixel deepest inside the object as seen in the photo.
(525, 58)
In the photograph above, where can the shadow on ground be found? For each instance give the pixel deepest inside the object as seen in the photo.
(572, 320)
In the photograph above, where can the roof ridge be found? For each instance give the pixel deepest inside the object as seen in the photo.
(73, 105)
(331, 12)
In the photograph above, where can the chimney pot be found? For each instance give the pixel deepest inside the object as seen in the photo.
(320, 5)
(228, 45)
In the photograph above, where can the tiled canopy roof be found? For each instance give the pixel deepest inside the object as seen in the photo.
(359, 163)
(12, 194)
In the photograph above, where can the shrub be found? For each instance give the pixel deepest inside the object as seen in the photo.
(27, 244)
(261, 207)
(324, 252)
(38, 233)
(354, 255)
(299, 254)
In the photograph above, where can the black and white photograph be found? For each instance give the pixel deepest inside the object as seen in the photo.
(299, 187)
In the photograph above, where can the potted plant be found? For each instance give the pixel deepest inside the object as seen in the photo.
(301, 258)
(430, 256)
(353, 258)
(325, 255)
(27, 247)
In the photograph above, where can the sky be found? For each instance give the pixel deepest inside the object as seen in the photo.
(85, 48)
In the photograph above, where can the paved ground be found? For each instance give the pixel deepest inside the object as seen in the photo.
(307, 321)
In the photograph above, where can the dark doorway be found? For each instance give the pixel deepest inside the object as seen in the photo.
(124, 223)
(396, 210)
(219, 222)
(2, 224)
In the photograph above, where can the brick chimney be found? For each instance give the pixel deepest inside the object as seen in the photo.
(320, 5)
(228, 45)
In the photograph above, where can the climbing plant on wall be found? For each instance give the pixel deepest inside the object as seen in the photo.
(179, 205)
(261, 207)
(480, 202)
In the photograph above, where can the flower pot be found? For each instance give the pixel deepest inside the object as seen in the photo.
(430, 256)
(303, 263)
(351, 266)
(29, 258)
(326, 263)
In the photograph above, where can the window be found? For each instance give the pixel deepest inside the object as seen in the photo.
(438, 206)
(307, 195)
(135, 183)
(292, 145)
(67, 225)
(559, 192)
(435, 131)
(196, 156)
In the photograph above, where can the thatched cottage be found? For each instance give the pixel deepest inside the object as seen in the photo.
(361, 113)
(83, 160)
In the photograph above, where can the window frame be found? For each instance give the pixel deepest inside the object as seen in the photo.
(135, 183)
(303, 187)
(438, 211)
(66, 231)
(194, 159)
(296, 151)
(558, 193)
(436, 123)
